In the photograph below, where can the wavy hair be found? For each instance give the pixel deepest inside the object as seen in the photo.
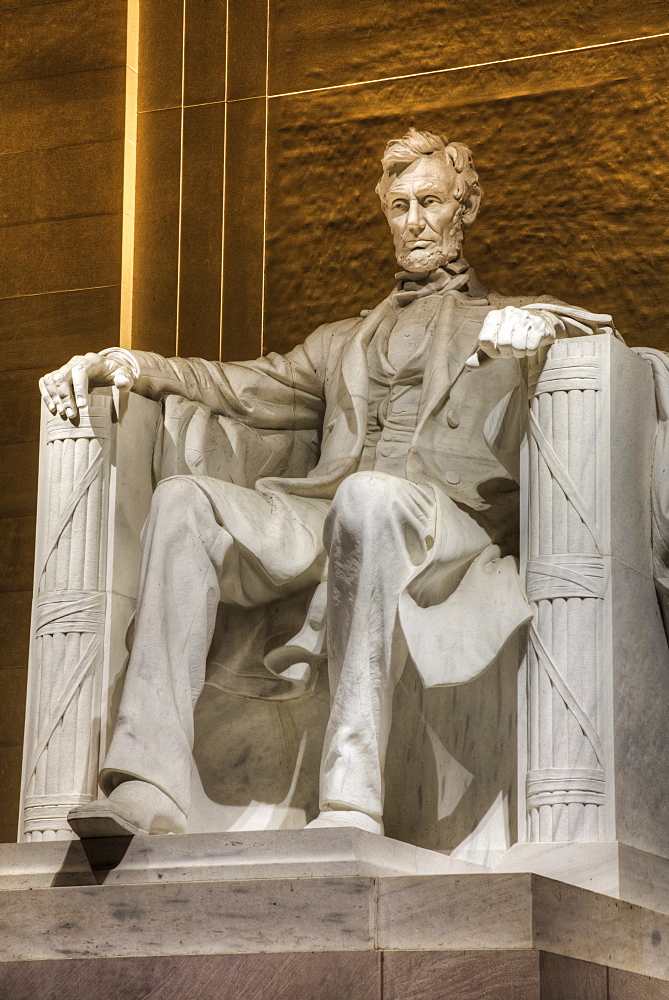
(401, 153)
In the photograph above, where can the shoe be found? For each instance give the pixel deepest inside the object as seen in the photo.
(331, 818)
(134, 808)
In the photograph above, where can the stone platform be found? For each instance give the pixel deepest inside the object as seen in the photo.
(178, 917)
(212, 857)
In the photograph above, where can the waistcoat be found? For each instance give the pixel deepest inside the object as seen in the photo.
(396, 357)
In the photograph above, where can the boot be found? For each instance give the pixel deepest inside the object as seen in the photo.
(133, 808)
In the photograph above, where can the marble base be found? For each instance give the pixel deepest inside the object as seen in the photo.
(613, 868)
(269, 854)
(445, 915)
(354, 975)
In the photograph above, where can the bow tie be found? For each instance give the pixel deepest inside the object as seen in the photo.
(452, 277)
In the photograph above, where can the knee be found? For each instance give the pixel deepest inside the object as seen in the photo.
(177, 502)
(364, 497)
(175, 493)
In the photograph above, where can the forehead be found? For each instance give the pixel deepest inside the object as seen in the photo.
(435, 172)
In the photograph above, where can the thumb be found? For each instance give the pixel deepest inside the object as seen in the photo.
(121, 380)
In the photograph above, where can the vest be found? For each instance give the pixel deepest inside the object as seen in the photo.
(396, 357)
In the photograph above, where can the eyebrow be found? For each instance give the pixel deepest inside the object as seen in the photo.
(421, 192)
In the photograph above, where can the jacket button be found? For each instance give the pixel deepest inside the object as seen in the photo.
(453, 418)
(452, 478)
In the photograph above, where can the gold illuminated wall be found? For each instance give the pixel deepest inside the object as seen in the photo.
(196, 177)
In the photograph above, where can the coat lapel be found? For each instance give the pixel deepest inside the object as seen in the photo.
(353, 387)
(454, 340)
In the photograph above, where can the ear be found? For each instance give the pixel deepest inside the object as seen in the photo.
(471, 205)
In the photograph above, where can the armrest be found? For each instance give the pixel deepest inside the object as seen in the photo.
(597, 680)
(94, 493)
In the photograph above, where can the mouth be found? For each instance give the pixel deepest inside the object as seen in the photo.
(418, 244)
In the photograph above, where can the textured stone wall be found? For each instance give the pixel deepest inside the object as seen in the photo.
(564, 105)
(62, 135)
(248, 215)
(569, 146)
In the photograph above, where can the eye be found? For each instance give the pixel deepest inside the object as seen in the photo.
(431, 199)
(398, 205)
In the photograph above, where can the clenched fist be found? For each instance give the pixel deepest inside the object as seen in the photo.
(66, 390)
(516, 333)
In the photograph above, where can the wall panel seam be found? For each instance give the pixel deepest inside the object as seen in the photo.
(468, 66)
(58, 291)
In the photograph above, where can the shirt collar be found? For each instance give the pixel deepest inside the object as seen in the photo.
(457, 275)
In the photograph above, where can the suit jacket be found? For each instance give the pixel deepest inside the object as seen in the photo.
(466, 438)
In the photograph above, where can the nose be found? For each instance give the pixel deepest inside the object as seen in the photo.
(415, 219)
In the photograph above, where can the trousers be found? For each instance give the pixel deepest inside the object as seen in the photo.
(203, 545)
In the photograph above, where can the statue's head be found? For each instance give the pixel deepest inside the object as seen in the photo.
(429, 192)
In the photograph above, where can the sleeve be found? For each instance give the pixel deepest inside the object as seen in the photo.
(274, 392)
(572, 321)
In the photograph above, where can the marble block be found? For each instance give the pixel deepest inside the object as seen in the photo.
(446, 914)
(270, 854)
(594, 694)
(612, 868)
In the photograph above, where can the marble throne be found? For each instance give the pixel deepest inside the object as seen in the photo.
(553, 761)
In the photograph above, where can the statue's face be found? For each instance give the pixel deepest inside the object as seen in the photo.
(423, 215)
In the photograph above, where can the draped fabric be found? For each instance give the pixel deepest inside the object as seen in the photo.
(324, 386)
(659, 362)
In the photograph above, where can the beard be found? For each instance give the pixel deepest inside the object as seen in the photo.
(422, 260)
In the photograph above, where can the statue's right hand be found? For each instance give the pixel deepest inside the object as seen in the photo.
(65, 391)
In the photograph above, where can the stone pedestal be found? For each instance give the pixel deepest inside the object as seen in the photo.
(612, 868)
(162, 916)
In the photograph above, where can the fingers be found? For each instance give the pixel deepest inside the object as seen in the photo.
(66, 390)
(489, 333)
(514, 333)
(51, 395)
(63, 383)
(47, 395)
(80, 385)
(56, 390)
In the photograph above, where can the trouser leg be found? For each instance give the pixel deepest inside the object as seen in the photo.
(184, 550)
(377, 532)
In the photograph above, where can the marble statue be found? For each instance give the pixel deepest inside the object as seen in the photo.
(405, 528)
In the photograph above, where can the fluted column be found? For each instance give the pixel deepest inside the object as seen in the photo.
(94, 493)
(69, 609)
(567, 585)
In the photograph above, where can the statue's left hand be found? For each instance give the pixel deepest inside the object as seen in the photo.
(516, 333)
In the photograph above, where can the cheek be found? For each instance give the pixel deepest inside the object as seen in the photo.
(397, 224)
(441, 219)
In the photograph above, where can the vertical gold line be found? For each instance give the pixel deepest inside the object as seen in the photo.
(264, 217)
(129, 174)
(225, 163)
(181, 171)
